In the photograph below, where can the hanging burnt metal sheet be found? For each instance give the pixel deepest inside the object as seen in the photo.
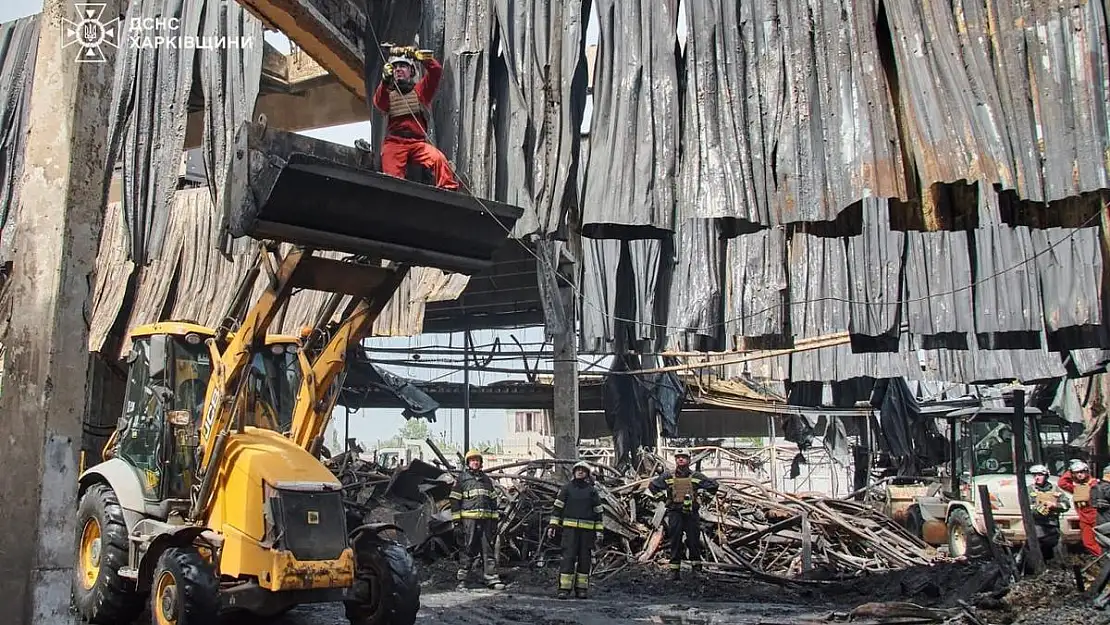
(111, 277)
(953, 116)
(542, 43)
(18, 51)
(597, 305)
(462, 111)
(695, 286)
(1052, 60)
(644, 257)
(938, 279)
(987, 366)
(819, 298)
(630, 177)
(758, 286)
(229, 79)
(1007, 293)
(875, 261)
(147, 129)
(1069, 265)
(1089, 360)
(787, 112)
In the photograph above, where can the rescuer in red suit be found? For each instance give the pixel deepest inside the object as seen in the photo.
(1078, 481)
(405, 101)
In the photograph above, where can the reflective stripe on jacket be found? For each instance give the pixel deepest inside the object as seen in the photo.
(473, 496)
(663, 487)
(578, 506)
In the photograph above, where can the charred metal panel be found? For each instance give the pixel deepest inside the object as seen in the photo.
(630, 177)
(600, 258)
(953, 112)
(938, 283)
(18, 50)
(147, 132)
(787, 113)
(695, 286)
(819, 294)
(464, 103)
(278, 180)
(542, 42)
(1069, 265)
(1007, 293)
(229, 80)
(986, 366)
(875, 262)
(759, 288)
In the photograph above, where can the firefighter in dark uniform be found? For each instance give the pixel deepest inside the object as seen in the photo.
(577, 509)
(681, 491)
(474, 510)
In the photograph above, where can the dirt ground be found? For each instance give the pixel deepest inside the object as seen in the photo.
(645, 594)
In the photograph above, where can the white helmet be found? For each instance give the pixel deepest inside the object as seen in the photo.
(1078, 465)
(394, 60)
(1038, 469)
(581, 464)
(682, 452)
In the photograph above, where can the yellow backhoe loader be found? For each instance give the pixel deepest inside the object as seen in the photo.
(212, 498)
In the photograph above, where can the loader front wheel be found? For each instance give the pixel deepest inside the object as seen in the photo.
(100, 594)
(185, 589)
(963, 540)
(386, 588)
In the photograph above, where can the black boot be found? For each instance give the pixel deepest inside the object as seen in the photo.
(580, 593)
(676, 574)
(563, 593)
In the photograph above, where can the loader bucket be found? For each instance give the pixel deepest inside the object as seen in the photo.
(296, 189)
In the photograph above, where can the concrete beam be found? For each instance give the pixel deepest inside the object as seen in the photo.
(564, 420)
(44, 379)
(327, 105)
(328, 31)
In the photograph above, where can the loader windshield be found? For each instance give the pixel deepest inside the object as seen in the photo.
(276, 379)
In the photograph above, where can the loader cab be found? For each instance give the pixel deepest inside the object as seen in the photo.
(168, 371)
(275, 379)
(982, 446)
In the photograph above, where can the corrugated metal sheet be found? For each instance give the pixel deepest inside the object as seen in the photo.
(598, 284)
(630, 177)
(875, 261)
(1006, 292)
(111, 277)
(1069, 266)
(1012, 91)
(758, 284)
(938, 273)
(695, 289)
(18, 51)
(147, 132)
(542, 46)
(463, 107)
(984, 366)
(819, 278)
(787, 112)
(229, 79)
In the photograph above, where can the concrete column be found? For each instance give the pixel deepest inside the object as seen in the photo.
(564, 419)
(42, 403)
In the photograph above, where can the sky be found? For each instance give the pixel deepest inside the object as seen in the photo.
(371, 425)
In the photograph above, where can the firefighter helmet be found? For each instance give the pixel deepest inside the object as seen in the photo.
(682, 452)
(400, 58)
(1038, 469)
(581, 464)
(1078, 465)
(473, 453)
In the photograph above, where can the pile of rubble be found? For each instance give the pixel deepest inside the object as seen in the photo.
(747, 530)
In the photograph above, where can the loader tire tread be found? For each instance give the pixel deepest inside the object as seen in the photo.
(112, 599)
(197, 582)
(390, 567)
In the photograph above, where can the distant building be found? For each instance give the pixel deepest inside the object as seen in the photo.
(526, 428)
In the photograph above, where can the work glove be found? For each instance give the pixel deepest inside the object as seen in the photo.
(387, 72)
(551, 531)
(423, 55)
(599, 537)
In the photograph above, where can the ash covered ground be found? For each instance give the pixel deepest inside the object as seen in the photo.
(645, 594)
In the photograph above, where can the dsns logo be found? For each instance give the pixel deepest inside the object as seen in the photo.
(90, 32)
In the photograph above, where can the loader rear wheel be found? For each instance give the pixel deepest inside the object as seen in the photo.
(963, 540)
(100, 594)
(386, 587)
(185, 589)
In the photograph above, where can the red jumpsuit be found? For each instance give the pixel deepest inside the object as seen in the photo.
(406, 139)
(1088, 516)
